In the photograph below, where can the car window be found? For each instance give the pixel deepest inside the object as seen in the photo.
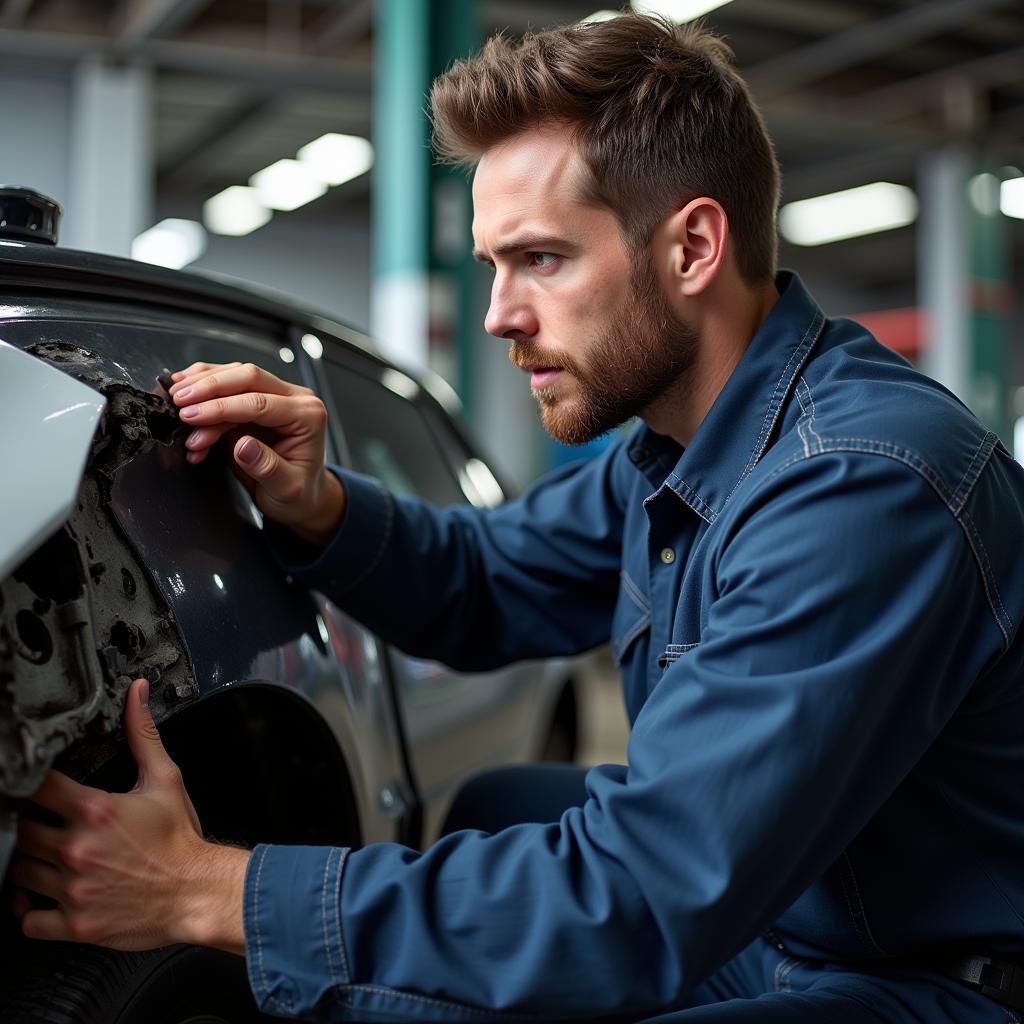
(143, 351)
(218, 350)
(388, 437)
(476, 479)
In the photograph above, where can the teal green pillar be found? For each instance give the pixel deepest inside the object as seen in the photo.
(401, 181)
(964, 273)
(424, 309)
(457, 317)
(990, 303)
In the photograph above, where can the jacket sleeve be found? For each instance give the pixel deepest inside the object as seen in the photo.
(479, 588)
(834, 653)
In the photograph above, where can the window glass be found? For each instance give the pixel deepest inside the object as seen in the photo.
(388, 438)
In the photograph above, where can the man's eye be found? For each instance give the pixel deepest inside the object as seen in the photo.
(543, 260)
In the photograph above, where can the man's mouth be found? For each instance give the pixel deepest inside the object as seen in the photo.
(542, 376)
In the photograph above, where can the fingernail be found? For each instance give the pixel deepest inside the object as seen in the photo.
(250, 451)
(193, 438)
(183, 393)
(192, 410)
(144, 693)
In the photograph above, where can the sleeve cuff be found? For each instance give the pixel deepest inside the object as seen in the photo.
(294, 949)
(357, 546)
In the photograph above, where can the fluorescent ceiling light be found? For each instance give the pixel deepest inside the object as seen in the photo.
(172, 243)
(880, 206)
(677, 10)
(286, 354)
(603, 15)
(983, 192)
(1011, 197)
(335, 158)
(287, 185)
(235, 211)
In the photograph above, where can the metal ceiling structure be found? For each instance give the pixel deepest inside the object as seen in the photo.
(852, 90)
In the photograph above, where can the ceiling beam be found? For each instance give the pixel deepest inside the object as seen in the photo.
(909, 95)
(263, 69)
(868, 41)
(137, 20)
(347, 24)
(216, 131)
(13, 12)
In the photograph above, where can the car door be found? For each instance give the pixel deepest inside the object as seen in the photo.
(456, 723)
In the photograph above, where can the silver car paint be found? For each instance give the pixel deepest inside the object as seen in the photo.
(47, 422)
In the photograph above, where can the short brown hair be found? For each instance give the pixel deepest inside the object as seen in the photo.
(659, 113)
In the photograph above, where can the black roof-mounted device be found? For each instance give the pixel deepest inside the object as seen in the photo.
(28, 216)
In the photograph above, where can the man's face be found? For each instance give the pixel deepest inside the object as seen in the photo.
(586, 319)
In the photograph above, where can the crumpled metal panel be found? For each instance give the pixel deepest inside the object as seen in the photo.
(47, 421)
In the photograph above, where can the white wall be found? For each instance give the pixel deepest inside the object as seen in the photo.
(324, 267)
(35, 124)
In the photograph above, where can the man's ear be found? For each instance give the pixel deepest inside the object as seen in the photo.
(696, 237)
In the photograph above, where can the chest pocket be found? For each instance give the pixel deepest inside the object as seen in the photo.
(632, 617)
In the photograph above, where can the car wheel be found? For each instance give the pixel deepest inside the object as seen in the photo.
(62, 983)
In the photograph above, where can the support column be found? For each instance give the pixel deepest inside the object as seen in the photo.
(942, 261)
(424, 309)
(991, 303)
(401, 181)
(456, 319)
(111, 157)
(963, 273)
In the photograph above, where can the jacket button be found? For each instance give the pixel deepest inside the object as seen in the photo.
(668, 556)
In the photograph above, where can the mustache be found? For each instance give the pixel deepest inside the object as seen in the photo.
(522, 354)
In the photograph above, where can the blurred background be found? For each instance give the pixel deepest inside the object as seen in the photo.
(284, 144)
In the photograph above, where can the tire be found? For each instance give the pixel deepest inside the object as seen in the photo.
(64, 983)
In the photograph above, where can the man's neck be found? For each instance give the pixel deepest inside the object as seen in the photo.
(726, 333)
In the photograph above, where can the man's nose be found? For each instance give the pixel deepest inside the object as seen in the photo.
(508, 315)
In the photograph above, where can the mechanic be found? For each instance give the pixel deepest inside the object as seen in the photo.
(805, 556)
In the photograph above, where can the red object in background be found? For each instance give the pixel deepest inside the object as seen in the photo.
(900, 329)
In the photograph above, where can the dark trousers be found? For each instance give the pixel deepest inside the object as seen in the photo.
(760, 985)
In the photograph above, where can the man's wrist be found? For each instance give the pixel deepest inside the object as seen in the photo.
(324, 523)
(212, 913)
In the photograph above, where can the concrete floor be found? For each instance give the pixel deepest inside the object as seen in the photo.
(603, 727)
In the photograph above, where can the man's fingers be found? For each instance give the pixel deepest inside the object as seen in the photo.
(40, 841)
(51, 925)
(295, 411)
(235, 379)
(198, 369)
(261, 463)
(155, 764)
(42, 878)
(202, 439)
(60, 794)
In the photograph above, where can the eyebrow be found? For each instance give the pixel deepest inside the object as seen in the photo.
(526, 243)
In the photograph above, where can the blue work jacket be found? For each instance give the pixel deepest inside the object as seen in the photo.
(816, 608)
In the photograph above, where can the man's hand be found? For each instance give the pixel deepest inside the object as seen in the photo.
(287, 479)
(131, 870)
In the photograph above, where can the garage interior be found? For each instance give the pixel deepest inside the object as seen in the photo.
(137, 113)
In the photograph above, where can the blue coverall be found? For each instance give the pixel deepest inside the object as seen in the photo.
(816, 608)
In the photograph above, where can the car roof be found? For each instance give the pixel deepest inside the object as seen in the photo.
(54, 269)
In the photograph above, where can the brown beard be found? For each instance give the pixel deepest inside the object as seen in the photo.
(643, 351)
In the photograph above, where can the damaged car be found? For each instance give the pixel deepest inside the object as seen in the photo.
(291, 722)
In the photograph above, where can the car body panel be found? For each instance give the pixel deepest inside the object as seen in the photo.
(228, 618)
(46, 419)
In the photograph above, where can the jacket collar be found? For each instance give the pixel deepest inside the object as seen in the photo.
(738, 428)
